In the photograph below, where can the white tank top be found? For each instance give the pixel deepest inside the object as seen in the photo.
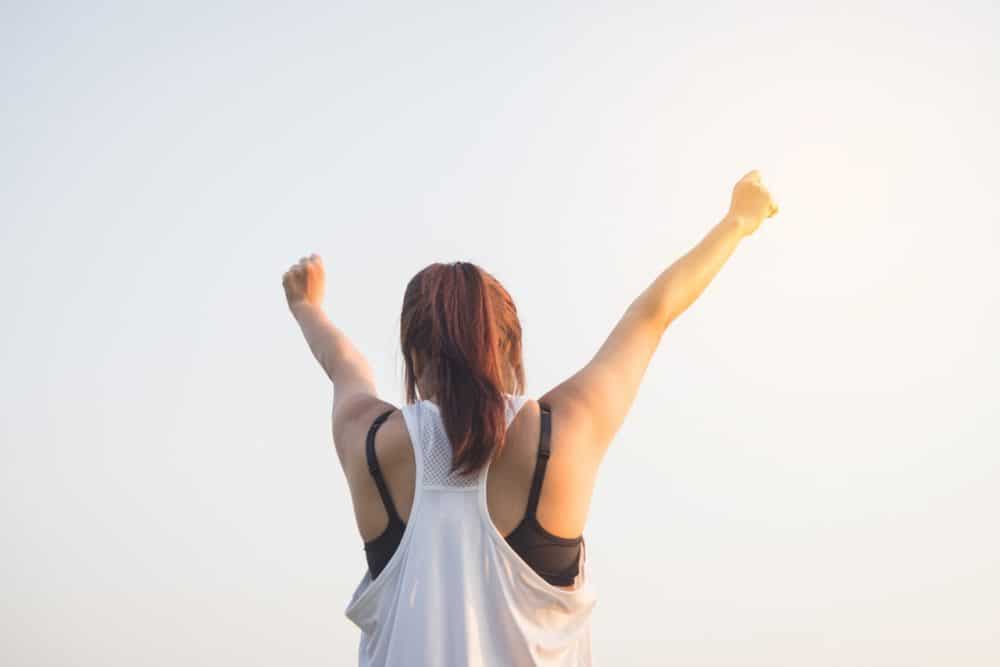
(455, 593)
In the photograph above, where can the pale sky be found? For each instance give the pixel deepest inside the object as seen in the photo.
(809, 475)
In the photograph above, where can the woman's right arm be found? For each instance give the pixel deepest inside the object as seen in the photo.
(682, 282)
(679, 285)
(597, 398)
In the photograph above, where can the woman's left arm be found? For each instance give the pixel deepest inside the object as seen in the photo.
(342, 362)
(353, 381)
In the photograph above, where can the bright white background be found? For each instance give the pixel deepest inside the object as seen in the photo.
(809, 475)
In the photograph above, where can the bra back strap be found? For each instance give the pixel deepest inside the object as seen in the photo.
(376, 472)
(543, 458)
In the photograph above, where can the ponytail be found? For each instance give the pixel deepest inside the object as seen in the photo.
(464, 325)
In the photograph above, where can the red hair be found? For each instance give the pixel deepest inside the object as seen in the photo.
(463, 325)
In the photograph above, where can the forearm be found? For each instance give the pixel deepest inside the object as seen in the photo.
(332, 348)
(680, 284)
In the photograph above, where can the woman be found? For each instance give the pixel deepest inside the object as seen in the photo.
(472, 560)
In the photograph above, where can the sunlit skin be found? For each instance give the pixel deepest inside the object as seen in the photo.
(677, 288)
(627, 351)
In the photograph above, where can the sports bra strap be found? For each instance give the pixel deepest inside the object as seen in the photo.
(376, 472)
(543, 458)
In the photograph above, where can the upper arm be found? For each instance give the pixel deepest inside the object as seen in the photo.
(355, 401)
(353, 414)
(598, 397)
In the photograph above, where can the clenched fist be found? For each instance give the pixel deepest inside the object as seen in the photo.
(751, 203)
(304, 282)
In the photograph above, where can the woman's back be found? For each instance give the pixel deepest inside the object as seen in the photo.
(563, 499)
(455, 592)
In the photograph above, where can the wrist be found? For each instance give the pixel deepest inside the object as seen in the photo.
(303, 308)
(736, 224)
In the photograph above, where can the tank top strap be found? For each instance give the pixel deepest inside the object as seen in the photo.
(514, 404)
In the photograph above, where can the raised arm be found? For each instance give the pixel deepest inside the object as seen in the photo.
(354, 393)
(597, 398)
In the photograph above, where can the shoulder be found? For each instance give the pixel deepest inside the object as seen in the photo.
(572, 425)
(351, 422)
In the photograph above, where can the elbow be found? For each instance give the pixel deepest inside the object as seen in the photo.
(655, 314)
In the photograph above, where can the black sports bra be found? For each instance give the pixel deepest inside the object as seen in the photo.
(556, 559)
